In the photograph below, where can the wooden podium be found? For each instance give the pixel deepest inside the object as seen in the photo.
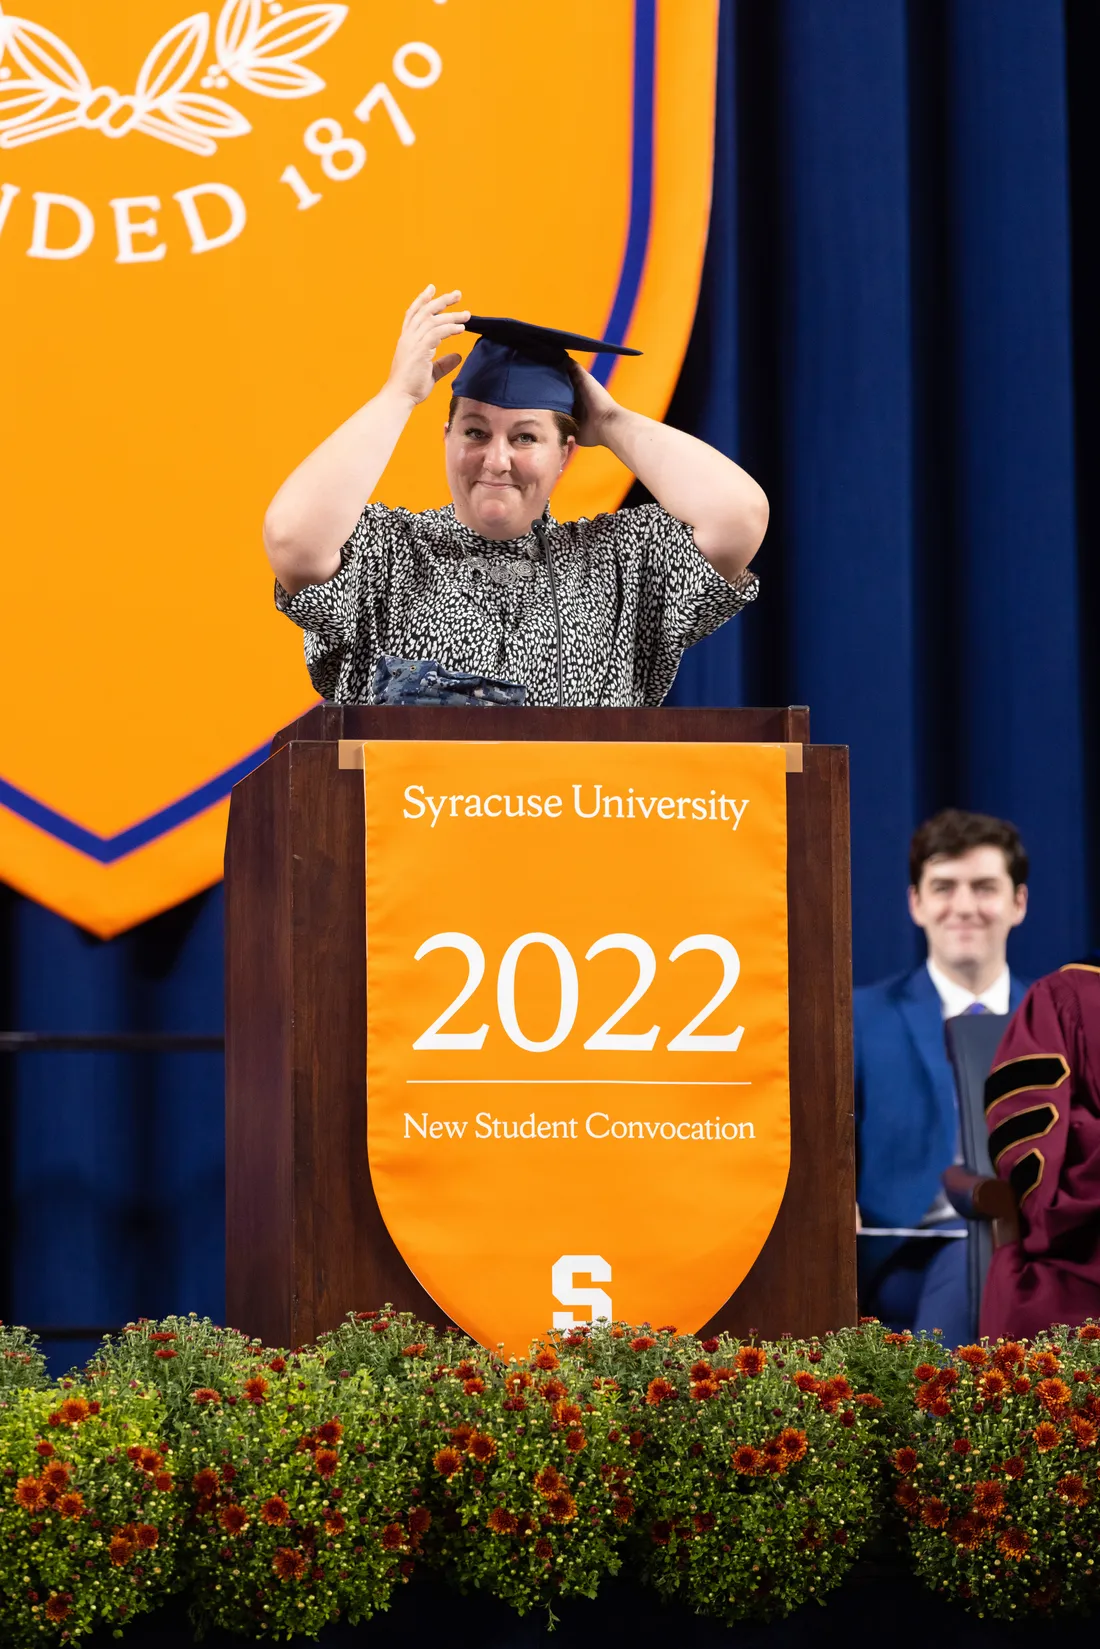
(305, 1240)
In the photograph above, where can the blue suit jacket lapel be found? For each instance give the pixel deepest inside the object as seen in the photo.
(919, 1005)
(1017, 990)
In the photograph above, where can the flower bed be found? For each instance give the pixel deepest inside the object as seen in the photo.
(279, 1491)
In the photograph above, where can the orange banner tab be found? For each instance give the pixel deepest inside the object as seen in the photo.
(577, 1078)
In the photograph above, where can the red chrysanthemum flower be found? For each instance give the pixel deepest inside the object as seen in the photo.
(751, 1360)
(334, 1523)
(869, 1400)
(1054, 1395)
(661, 1532)
(968, 1532)
(562, 1507)
(288, 1564)
(255, 1389)
(1013, 1543)
(623, 1508)
(709, 1346)
(329, 1432)
(545, 1359)
(275, 1512)
(544, 1550)
(420, 1520)
(29, 1494)
(164, 1481)
(636, 1439)
(502, 1521)
(703, 1522)
(575, 1441)
(905, 1460)
(44, 1448)
(1047, 1436)
(1014, 1467)
(393, 1537)
(146, 1537)
(165, 1354)
(643, 1342)
(1021, 1385)
(934, 1514)
(481, 1447)
(447, 1462)
(57, 1607)
(548, 1481)
(233, 1518)
(1084, 1431)
(1072, 1488)
(659, 1391)
(793, 1443)
(277, 1365)
(907, 1496)
(120, 1551)
(700, 1370)
(924, 1371)
(987, 1499)
(72, 1411)
(380, 1326)
(326, 1462)
(71, 1504)
(551, 1390)
(205, 1395)
(973, 1356)
(365, 1316)
(465, 1370)
(961, 1445)
(746, 1460)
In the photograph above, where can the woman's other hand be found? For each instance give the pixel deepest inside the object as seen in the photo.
(428, 322)
(593, 406)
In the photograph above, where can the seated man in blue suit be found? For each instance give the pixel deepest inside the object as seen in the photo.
(967, 890)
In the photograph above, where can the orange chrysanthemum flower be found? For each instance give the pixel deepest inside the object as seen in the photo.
(973, 1356)
(562, 1507)
(805, 1381)
(420, 1520)
(288, 1564)
(924, 1371)
(255, 1389)
(149, 1460)
(544, 1550)
(334, 1523)
(72, 1411)
(1014, 1467)
(1072, 1488)
(552, 1390)
(275, 1512)
(575, 1441)
(120, 1551)
(393, 1538)
(205, 1482)
(502, 1521)
(993, 1383)
(988, 1499)
(751, 1360)
(793, 1443)
(1084, 1431)
(465, 1370)
(623, 1508)
(447, 1462)
(1054, 1395)
(1044, 1362)
(545, 1359)
(700, 1370)
(703, 1390)
(56, 1475)
(1013, 1543)
(1046, 1436)
(233, 1518)
(566, 1414)
(71, 1505)
(1089, 1331)
(968, 1532)
(415, 1350)
(548, 1481)
(146, 1537)
(481, 1447)
(28, 1494)
(205, 1395)
(474, 1386)
(643, 1342)
(329, 1432)
(57, 1607)
(746, 1460)
(659, 1391)
(869, 1400)
(907, 1496)
(518, 1381)
(905, 1460)
(460, 1435)
(1009, 1354)
(934, 1514)
(326, 1462)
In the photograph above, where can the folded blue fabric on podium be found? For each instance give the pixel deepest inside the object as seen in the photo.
(426, 681)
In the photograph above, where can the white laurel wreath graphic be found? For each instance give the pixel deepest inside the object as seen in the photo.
(55, 93)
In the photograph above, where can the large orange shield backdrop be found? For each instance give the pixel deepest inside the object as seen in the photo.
(577, 1058)
(211, 222)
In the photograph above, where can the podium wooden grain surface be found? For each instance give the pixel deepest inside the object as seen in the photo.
(305, 1240)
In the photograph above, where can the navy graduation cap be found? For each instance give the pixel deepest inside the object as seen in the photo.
(517, 364)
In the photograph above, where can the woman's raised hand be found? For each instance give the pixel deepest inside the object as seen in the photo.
(415, 370)
(593, 406)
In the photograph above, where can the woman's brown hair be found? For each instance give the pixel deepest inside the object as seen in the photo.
(566, 425)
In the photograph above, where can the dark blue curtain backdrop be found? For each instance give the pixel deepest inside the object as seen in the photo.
(898, 334)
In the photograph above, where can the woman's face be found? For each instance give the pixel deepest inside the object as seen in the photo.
(502, 465)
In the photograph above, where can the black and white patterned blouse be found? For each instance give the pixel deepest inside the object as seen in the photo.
(633, 589)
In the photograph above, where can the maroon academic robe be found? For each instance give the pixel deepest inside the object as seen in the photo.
(1042, 1104)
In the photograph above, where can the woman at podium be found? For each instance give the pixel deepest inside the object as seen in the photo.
(492, 589)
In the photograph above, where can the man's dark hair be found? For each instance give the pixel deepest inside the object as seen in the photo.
(566, 426)
(952, 833)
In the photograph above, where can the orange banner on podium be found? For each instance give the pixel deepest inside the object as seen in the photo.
(577, 1017)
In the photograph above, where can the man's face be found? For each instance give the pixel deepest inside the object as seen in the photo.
(967, 907)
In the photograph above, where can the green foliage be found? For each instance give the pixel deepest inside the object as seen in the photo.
(304, 1495)
(173, 1356)
(22, 1365)
(997, 1479)
(756, 1473)
(90, 1515)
